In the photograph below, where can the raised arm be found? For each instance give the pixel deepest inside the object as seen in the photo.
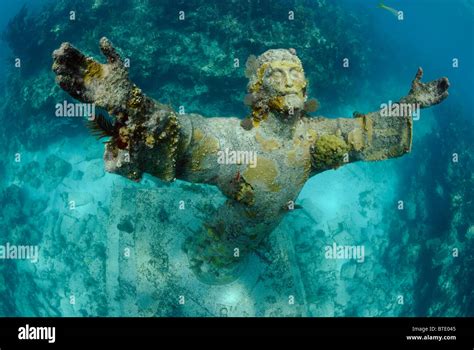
(386, 133)
(145, 135)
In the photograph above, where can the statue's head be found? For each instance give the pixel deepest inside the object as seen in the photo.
(276, 83)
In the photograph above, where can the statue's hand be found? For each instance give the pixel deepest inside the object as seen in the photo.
(427, 94)
(89, 81)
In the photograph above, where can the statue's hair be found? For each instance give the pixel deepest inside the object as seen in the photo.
(279, 55)
(254, 63)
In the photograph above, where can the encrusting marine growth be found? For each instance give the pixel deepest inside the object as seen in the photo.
(149, 137)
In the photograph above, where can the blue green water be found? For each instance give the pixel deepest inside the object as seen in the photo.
(419, 260)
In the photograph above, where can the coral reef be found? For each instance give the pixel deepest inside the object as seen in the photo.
(119, 252)
(203, 79)
(441, 243)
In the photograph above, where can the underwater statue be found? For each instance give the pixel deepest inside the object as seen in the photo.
(288, 145)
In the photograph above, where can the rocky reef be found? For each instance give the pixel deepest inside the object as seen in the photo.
(194, 58)
(111, 247)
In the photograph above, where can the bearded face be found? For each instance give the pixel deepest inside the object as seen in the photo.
(285, 84)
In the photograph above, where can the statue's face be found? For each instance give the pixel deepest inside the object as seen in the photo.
(285, 81)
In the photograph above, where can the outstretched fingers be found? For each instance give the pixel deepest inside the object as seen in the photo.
(428, 94)
(88, 80)
(416, 82)
(109, 51)
(68, 65)
(67, 55)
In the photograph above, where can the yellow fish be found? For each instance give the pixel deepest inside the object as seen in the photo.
(391, 10)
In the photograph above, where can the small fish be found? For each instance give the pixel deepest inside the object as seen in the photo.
(311, 105)
(249, 100)
(101, 126)
(391, 10)
(247, 123)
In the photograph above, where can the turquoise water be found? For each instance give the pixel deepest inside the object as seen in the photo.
(117, 251)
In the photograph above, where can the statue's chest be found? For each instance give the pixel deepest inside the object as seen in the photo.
(282, 165)
(296, 159)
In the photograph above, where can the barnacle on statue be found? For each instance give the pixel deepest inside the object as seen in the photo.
(328, 152)
(245, 194)
(93, 71)
(150, 140)
(136, 98)
(242, 191)
(166, 144)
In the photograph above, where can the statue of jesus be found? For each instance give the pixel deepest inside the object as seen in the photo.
(282, 144)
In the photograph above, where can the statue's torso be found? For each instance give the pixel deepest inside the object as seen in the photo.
(283, 162)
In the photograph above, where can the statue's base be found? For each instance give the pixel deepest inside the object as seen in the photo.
(212, 261)
(213, 274)
(160, 278)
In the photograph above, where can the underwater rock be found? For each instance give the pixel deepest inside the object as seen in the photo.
(56, 167)
(12, 200)
(126, 225)
(324, 309)
(163, 215)
(36, 206)
(84, 273)
(223, 28)
(30, 174)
